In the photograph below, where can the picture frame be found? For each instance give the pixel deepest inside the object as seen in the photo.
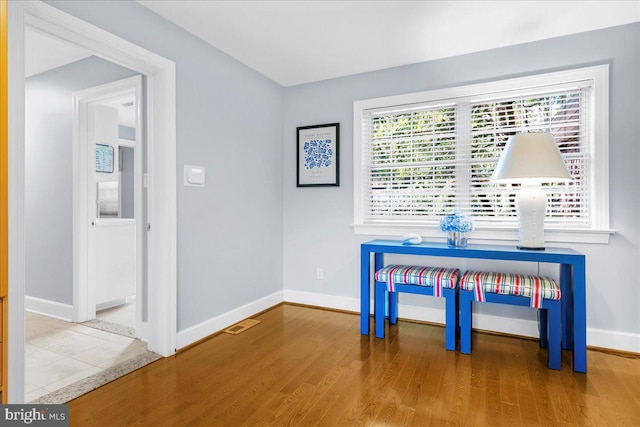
(318, 155)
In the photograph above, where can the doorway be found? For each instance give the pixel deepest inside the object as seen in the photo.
(160, 125)
(110, 206)
(60, 353)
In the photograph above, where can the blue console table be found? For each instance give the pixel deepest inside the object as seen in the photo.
(572, 281)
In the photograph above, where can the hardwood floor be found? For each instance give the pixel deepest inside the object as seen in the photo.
(305, 367)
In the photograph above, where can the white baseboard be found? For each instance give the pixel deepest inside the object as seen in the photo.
(528, 328)
(322, 300)
(111, 304)
(623, 341)
(412, 312)
(595, 337)
(49, 308)
(216, 324)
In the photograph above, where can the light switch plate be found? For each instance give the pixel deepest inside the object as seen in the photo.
(194, 176)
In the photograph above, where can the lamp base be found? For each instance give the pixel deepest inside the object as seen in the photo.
(531, 205)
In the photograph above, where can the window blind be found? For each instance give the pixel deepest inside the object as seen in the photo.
(412, 162)
(492, 122)
(421, 161)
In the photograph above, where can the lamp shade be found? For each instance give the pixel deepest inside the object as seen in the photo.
(531, 158)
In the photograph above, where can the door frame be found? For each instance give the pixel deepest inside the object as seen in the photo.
(161, 139)
(84, 284)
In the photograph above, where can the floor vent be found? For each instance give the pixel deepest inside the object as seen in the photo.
(241, 326)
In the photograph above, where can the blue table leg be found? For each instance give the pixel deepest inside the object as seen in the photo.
(378, 262)
(544, 337)
(393, 307)
(365, 291)
(579, 317)
(380, 293)
(554, 311)
(465, 298)
(567, 306)
(451, 317)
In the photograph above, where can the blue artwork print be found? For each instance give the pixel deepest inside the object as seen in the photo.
(317, 153)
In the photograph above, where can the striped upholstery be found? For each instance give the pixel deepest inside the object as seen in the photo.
(417, 275)
(533, 287)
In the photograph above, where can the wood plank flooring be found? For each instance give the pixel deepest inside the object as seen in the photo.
(310, 367)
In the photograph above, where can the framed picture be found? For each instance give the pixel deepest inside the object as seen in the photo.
(104, 158)
(318, 157)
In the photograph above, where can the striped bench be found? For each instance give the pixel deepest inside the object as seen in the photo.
(514, 289)
(432, 281)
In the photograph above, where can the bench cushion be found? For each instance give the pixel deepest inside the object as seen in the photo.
(435, 277)
(533, 287)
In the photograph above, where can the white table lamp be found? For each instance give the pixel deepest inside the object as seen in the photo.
(531, 159)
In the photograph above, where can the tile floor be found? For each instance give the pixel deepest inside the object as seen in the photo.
(123, 314)
(59, 353)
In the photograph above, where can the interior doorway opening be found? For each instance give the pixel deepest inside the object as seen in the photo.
(93, 135)
(110, 205)
(159, 123)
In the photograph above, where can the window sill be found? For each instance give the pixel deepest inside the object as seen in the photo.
(486, 234)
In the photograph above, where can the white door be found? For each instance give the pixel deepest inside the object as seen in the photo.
(112, 239)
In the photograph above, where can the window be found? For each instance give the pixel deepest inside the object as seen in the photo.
(422, 155)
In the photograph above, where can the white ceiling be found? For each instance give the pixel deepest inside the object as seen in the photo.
(294, 42)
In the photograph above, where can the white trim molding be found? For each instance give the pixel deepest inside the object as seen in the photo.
(15, 340)
(45, 307)
(218, 323)
(161, 136)
(323, 300)
(600, 338)
(487, 235)
(623, 341)
(596, 231)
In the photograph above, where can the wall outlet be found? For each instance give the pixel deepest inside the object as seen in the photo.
(319, 274)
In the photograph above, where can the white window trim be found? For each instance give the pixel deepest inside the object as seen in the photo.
(600, 230)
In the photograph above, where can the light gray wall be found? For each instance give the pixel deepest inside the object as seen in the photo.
(316, 220)
(235, 123)
(229, 120)
(48, 175)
